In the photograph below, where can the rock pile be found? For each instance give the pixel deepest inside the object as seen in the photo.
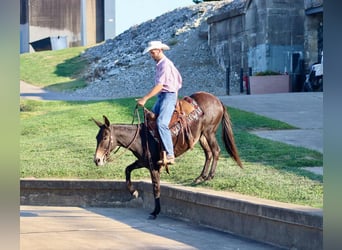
(119, 68)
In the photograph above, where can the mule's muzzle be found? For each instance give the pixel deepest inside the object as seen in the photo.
(99, 161)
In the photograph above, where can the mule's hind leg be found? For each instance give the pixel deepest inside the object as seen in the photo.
(215, 150)
(208, 157)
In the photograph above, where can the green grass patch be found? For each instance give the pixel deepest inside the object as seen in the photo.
(57, 70)
(58, 141)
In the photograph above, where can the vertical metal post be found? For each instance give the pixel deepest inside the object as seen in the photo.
(249, 75)
(241, 80)
(228, 80)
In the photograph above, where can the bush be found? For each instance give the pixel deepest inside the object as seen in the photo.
(267, 73)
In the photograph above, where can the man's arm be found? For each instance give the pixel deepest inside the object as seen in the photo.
(154, 91)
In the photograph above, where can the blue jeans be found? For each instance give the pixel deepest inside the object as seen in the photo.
(164, 107)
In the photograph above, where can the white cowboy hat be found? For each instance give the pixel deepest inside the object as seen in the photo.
(156, 45)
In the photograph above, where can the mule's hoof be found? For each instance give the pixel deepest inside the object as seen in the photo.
(209, 177)
(135, 194)
(199, 179)
(152, 216)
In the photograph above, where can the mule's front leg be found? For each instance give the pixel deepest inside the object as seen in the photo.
(155, 176)
(129, 184)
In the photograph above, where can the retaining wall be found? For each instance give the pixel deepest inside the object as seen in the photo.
(281, 224)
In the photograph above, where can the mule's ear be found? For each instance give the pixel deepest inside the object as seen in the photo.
(106, 121)
(97, 122)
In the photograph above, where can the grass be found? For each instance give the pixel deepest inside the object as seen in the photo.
(58, 70)
(58, 141)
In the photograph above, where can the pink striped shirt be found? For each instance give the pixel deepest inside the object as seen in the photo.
(168, 75)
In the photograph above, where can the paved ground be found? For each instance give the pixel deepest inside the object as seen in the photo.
(43, 228)
(28, 91)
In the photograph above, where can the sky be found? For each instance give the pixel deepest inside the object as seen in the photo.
(132, 12)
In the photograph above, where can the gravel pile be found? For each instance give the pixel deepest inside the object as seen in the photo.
(119, 68)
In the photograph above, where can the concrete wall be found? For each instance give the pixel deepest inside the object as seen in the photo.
(285, 225)
(261, 35)
(282, 34)
(227, 41)
(94, 13)
(313, 42)
(90, 22)
(308, 4)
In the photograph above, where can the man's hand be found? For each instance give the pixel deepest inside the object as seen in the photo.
(141, 102)
(155, 90)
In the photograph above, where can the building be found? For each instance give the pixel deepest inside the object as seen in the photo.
(253, 36)
(84, 22)
(80, 22)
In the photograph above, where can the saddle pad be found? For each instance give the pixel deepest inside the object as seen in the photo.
(187, 111)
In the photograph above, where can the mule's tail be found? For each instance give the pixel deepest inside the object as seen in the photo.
(228, 137)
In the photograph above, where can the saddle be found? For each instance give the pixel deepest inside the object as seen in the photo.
(186, 112)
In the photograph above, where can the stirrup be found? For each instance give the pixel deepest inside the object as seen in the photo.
(170, 161)
(165, 160)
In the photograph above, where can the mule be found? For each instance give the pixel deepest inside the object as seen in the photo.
(137, 139)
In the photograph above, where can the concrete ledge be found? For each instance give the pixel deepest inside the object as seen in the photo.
(83, 193)
(281, 224)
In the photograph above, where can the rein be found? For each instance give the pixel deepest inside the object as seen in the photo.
(136, 113)
(148, 153)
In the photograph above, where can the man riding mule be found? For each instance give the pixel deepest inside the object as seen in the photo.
(167, 83)
(202, 125)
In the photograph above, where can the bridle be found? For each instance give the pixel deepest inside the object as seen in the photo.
(111, 141)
